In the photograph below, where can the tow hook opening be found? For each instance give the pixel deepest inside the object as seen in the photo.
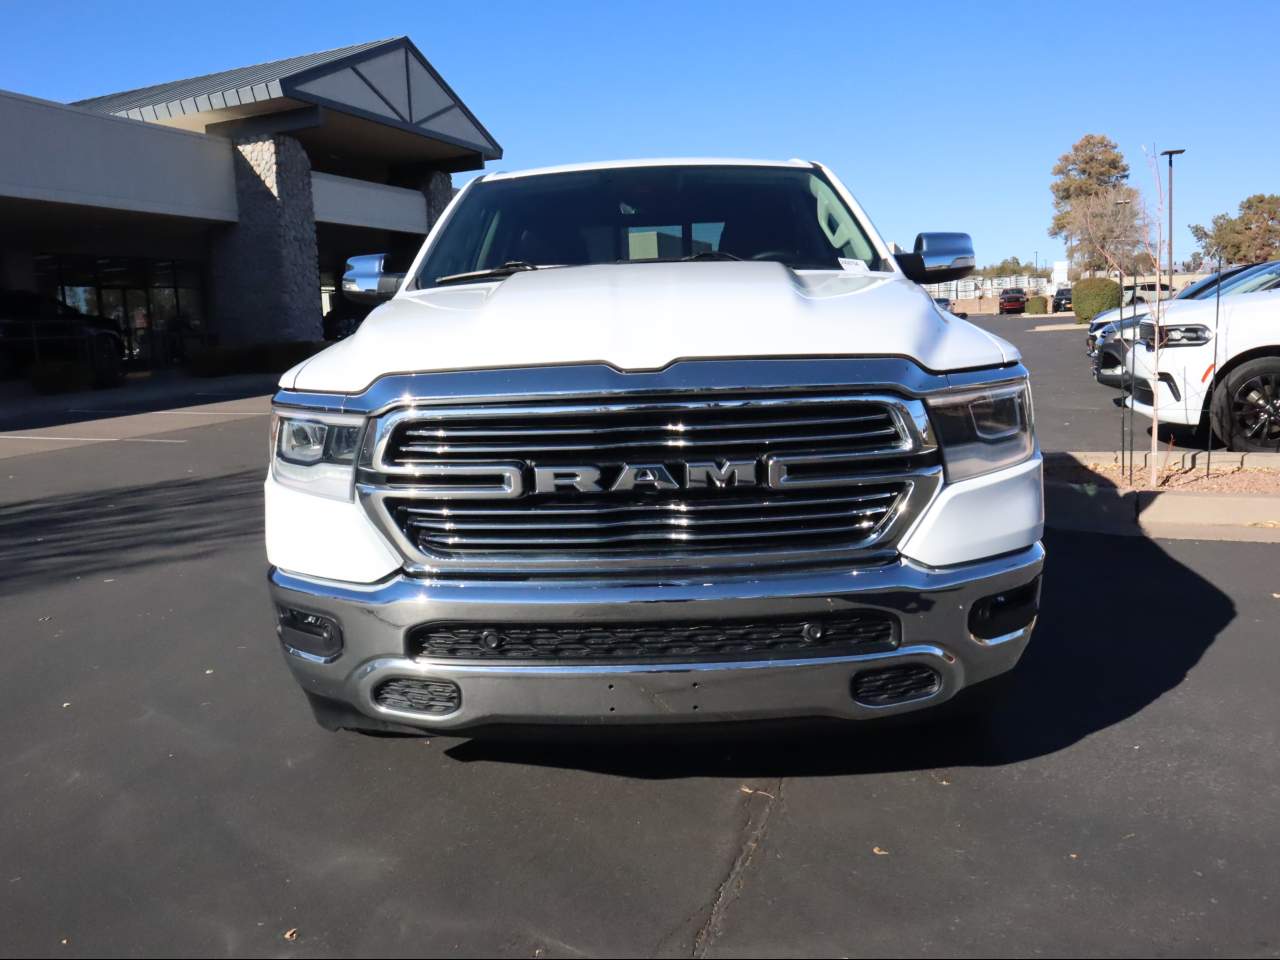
(1009, 611)
(886, 686)
(433, 696)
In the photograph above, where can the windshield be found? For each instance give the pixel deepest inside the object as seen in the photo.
(1202, 289)
(1198, 289)
(1264, 276)
(635, 214)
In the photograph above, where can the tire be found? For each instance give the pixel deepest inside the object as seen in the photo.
(1245, 410)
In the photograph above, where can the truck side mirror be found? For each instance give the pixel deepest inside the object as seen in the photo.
(938, 257)
(366, 279)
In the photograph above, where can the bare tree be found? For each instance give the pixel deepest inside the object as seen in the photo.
(1108, 226)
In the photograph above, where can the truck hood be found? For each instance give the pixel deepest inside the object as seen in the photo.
(644, 316)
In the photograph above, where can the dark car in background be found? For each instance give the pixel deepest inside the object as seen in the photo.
(1013, 300)
(1062, 300)
(36, 329)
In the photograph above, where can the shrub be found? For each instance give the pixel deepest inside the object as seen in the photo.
(60, 376)
(252, 358)
(1037, 305)
(1091, 296)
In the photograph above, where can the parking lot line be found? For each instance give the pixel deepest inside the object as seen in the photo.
(180, 413)
(26, 436)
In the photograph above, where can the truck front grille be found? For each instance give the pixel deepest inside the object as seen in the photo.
(863, 631)
(706, 480)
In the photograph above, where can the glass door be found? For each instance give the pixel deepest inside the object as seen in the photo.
(113, 309)
(138, 322)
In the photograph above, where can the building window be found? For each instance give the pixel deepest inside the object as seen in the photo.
(157, 305)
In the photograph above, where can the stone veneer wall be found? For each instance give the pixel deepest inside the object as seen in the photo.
(264, 270)
(437, 187)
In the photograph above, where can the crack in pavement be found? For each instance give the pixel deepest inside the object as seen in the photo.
(753, 831)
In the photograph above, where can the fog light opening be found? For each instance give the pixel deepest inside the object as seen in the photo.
(311, 636)
(1006, 613)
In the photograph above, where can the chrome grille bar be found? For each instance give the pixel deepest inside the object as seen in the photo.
(444, 432)
(405, 451)
(653, 428)
(677, 506)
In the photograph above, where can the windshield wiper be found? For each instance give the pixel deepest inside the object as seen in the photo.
(701, 255)
(711, 255)
(506, 270)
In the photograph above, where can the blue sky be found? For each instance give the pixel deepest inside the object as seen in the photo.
(939, 116)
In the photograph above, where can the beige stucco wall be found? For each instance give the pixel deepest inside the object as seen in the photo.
(70, 155)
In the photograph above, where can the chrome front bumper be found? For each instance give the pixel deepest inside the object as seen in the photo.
(932, 605)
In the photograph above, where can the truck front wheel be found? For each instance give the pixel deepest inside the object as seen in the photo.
(1245, 410)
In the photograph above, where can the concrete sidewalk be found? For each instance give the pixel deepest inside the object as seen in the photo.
(1101, 507)
(155, 392)
(137, 413)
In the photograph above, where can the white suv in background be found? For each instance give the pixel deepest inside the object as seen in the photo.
(1219, 362)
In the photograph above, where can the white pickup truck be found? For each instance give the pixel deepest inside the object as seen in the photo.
(657, 442)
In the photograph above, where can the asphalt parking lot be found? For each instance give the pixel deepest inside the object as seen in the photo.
(164, 791)
(1074, 413)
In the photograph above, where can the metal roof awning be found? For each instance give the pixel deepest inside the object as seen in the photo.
(386, 83)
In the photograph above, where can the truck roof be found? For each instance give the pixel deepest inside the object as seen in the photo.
(650, 162)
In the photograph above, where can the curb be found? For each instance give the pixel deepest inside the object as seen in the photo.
(1183, 459)
(1095, 508)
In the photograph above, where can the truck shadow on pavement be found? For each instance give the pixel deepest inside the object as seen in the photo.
(116, 531)
(1100, 654)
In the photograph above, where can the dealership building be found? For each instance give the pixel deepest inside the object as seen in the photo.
(220, 209)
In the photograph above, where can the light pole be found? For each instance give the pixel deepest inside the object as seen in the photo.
(1170, 154)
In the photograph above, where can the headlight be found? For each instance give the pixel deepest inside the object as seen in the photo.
(1184, 335)
(316, 454)
(984, 430)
